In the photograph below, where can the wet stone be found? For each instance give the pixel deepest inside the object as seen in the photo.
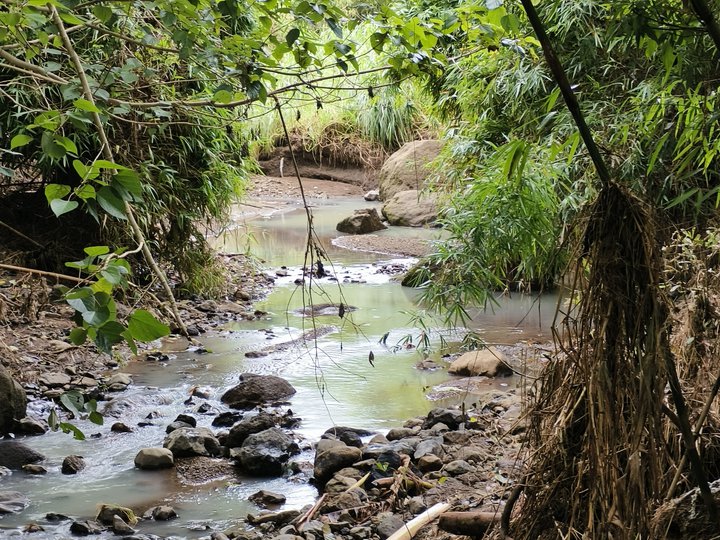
(119, 427)
(265, 498)
(73, 464)
(84, 528)
(31, 468)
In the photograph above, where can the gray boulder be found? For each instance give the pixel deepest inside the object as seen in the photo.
(247, 426)
(372, 195)
(265, 453)
(334, 459)
(150, 459)
(452, 418)
(408, 167)
(363, 221)
(12, 502)
(255, 390)
(14, 455)
(389, 523)
(411, 208)
(13, 404)
(187, 442)
(432, 446)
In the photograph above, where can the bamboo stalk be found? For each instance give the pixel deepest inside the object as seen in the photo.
(43, 273)
(414, 525)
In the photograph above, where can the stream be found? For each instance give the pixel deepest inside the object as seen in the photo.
(335, 382)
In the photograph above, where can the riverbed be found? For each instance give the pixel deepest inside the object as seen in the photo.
(361, 372)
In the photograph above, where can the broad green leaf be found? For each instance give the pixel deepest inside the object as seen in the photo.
(96, 309)
(335, 28)
(130, 341)
(56, 191)
(86, 191)
(111, 203)
(144, 327)
(109, 335)
(85, 105)
(67, 427)
(61, 206)
(96, 418)
(223, 96)
(78, 335)
(50, 147)
(20, 140)
(73, 401)
(292, 36)
(103, 13)
(69, 18)
(115, 274)
(96, 251)
(67, 144)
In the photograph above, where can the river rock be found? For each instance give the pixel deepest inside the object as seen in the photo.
(255, 390)
(119, 427)
(247, 426)
(150, 459)
(332, 460)
(265, 498)
(33, 468)
(32, 426)
(14, 454)
(389, 523)
(411, 208)
(363, 221)
(186, 419)
(429, 446)
(458, 467)
(372, 195)
(265, 453)
(227, 419)
(395, 434)
(408, 167)
(172, 426)
(4, 471)
(12, 502)
(488, 362)
(163, 513)
(118, 382)
(121, 528)
(107, 512)
(84, 528)
(186, 442)
(452, 418)
(54, 379)
(429, 462)
(13, 404)
(73, 464)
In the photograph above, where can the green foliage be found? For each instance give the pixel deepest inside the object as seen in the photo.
(74, 403)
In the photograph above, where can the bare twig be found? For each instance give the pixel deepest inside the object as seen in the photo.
(43, 273)
(21, 235)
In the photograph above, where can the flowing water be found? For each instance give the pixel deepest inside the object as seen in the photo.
(335, 381)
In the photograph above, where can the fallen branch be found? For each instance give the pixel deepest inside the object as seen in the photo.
(43, 273)
(300, 523)
(412, 527)
(21, 235)
(468, 523)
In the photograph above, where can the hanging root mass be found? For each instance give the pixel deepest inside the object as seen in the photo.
(607, 445)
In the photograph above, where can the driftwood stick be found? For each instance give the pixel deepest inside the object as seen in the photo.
(21, 235)
(414, 525)
(468, 523)
(310, 513)
(43, 273)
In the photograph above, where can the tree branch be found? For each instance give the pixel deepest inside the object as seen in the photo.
(705, 14)
(29, 69)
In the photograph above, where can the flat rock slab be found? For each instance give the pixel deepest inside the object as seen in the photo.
(12, 502)
(255, 390)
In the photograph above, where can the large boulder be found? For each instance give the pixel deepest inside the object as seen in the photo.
(408, 167)
(150, 459)
(330, 461)
(14, 455)
(363, 221)
(247, 426)
(188, 442)
(13, 404)
(488, 362)
(12, 502)
(265, 453)
(255, 390)
(411, 208)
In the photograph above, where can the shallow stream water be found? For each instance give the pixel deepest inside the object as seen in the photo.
(336, 384)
